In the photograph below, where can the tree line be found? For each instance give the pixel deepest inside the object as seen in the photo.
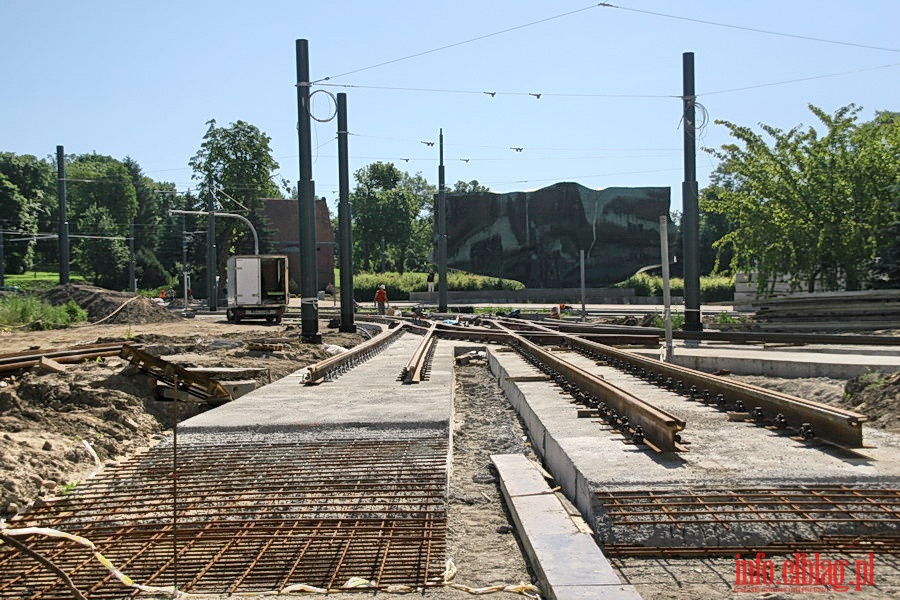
(816, 206)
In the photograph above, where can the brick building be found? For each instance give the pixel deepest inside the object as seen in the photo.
(285, 222)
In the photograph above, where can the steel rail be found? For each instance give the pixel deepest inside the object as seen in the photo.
(829, 423)
(415, 367)
(741, 337)
(812, 419)
(16, 361)
(193, 383)
(320, 371)
(658, 428)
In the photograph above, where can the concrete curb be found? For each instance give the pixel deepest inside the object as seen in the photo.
(568, 563)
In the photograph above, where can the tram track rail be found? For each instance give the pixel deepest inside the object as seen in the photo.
(17, 361)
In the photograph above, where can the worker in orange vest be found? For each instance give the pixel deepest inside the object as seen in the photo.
(381, 299)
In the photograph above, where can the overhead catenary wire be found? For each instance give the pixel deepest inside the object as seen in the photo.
(461, 43)
(752, 29)
(801, 79)
(494, 93)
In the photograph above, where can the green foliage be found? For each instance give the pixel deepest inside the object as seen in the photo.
(26, 185)
(27, 310)
(677, 320)
(391, 219)
(103, 261)
(808, 204)
(712, 289)
(150, 271)
(235, 165)
(68, 488)
(38, 281)
(399, 285)
(471, 187)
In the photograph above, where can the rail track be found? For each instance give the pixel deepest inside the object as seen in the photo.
(633, 417)
(221, 525)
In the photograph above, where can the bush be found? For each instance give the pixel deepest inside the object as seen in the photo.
(399, 286)
(19, 311)
(712, 288)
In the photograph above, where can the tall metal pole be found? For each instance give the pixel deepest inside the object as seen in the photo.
(184, 268)
(667, 298)
(309, 309)
(132, 277)
(63, 216)
(344, 220)
(442, 232)
(211, 268)
(690, 220)
(583, 309)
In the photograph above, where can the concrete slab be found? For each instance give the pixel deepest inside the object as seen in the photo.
(782, 362)
(569, 564)
(368, 395)
(585, 456)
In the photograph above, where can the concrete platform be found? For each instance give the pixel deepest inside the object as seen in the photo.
(789, 362)
(584, 455)
(367, 396)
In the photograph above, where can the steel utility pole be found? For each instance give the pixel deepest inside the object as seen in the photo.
(344, 221)
(132, 277)
(211, 269)
(309, 308)
(690, 219)
(442, 231)
(63, 216)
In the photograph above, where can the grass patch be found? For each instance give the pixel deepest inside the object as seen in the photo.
(38, 281)
(28, 311)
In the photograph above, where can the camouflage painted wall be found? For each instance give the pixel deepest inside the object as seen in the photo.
(535, 236)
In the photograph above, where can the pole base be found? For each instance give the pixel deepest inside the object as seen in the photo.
(311, 338)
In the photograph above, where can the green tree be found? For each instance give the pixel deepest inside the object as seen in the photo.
(471, 187)
(102, 204)
(235, 164)
(102, 259)
(26, 187)
(805, 204)
(391, 218)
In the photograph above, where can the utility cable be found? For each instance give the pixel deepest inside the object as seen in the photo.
(537, 95)
(455, 44)
(762, 85)
(753, 29)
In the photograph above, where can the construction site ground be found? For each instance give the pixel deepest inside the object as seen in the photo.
(44, 416)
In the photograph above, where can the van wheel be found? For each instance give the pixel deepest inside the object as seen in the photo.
(270, 319)
(229, 315)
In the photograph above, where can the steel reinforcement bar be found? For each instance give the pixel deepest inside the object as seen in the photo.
(812, 419)
(320, 371)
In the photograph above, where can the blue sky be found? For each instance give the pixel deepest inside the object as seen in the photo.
(143, 78)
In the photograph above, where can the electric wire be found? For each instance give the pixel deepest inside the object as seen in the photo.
(455, 44)
(538, 95)
(811, 78)
(752, 29)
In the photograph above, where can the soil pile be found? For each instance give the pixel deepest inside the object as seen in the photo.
(877, 396)
(45, 415)
(110, 306)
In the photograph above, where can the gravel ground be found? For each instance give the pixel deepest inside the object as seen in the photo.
(481, 540)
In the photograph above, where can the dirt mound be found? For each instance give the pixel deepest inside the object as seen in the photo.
(877, 396)
(101, 303)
